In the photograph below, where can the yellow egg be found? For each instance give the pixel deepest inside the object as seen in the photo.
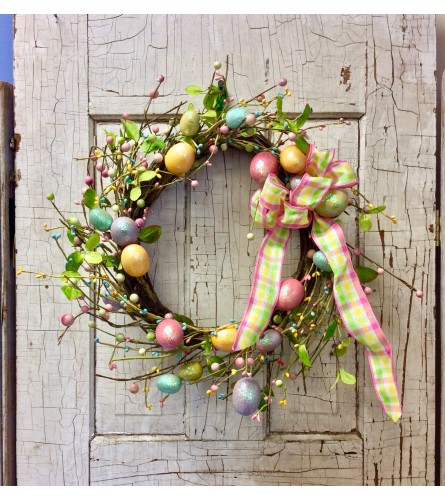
(224, 339)
(180, 158)
(189, 124)
(292, 159)
(135, 260)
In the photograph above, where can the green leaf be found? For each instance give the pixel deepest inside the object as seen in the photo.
(193, 90)
(302, 119)
(364, 222)
(365, 274)
(279, 114)
(93, 257)
(135, 193)
(342, 348)
(148, 146)
(148, 175)
(190, 106)
(70, 277)
(131, 130)
(346, 378)
(74, 261)
(302, 144)
(92, 242)
(337, 379)
(183, 319)
(107, 260)
(304, 356)
(209, 100)
(70, 236)
(211, 113)
(150, 234)
(330, 330)
(89, 198)
(71, 292)
(375, 210)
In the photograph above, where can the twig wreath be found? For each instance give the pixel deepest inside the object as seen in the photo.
(324, 303)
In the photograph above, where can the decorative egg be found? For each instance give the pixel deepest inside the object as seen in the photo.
(262, 165)
(269, 341)
(124, 231)
(169, 383)
(246, 396)
(224, 339)
(333, 203)
(291, 294)
(100, 219)
(321, 262)
(216, 365)
(190, 371)
(169, 333)
(235, 117)
(179, 158)
(293, 160)
(189, 124)
(135, 260)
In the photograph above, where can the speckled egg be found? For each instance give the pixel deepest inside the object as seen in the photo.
(333, 203)
(100, 219)
(135, 260)
(191, 371)
(246, 396)
(169, 333)
(321, 262)
(235, 117)
(179, 158)
(124, 231)
(291, 294)
(262, 165)
(269, 341)
(292, 159)
(169, 383)
(189, 123)
(224, 339)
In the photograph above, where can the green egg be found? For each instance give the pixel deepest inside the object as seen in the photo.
(189, 124)
(190, 371)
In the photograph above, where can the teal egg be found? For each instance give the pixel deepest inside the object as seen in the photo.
(236, 116)
(100, 219)
(169, 383)
(321, 262)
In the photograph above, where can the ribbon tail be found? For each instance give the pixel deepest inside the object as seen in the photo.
(357, 314)
(265, 287)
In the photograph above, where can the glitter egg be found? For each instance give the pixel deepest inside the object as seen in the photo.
(246, 396)
(291, 294)
(169, 333)
(124, 231)
(235, 117)
(190, 371)
(269, 341)
(262, 165)
(333, 203)
(321, 262)
(189, 123)
(180, 158)
(292, 159)
(100, 219)
(169, 383)
(224, 339)
(135, 260)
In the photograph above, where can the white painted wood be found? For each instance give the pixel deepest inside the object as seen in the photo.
(390, 83)
(442, 310)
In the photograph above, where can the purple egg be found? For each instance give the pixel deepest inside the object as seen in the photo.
(269, 341)
(246, 396)
(124, 231)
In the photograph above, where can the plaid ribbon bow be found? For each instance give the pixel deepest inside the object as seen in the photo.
(280, 210)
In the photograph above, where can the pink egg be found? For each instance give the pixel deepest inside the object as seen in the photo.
(291, 294)
(262, 165)
(169, 333)
(67, 319)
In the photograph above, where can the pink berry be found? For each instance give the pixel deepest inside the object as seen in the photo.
(154, 129)
(126, 146)
(292, 375)
(214, 387)
(225, 130)
(282, 82)
(368, 290)
(195, 184)
(89, 180)
(291, 136)
(153, 93)
(310, 253)
(99, 166)
(161, 78)
(104, 173)
(419, 293)
(213, 149)
(357, 251)
(380, 270)
(250, 119)
(140, 222)
(250, 361)
(108, 307)
(125, 116)
(85, 309)
(157, 158)
(215, 367)
(105, 317)
(239, 362)
(77, 241)
(134, 388)
(260, 97)
(109, 139)
(67, 319)
(169, 316)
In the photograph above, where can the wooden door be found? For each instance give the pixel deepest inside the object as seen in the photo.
(75, 75)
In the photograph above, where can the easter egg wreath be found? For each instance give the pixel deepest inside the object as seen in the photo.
(288, 321)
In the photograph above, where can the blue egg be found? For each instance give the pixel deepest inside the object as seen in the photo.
(169, 383)
(321, 262)
(124, 231)
(100, 219)
(246, 396)
(236, 116)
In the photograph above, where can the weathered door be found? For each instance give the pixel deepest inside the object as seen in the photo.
(73, 74)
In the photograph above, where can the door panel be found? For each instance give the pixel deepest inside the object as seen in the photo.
(376, 71)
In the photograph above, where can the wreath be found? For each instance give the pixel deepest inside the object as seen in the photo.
(287, 322)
